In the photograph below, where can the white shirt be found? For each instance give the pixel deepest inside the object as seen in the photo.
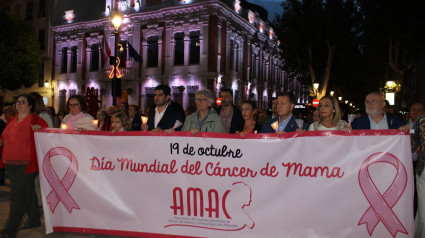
(382, 124)
(411, 124)
(159, 115)
(322, 128)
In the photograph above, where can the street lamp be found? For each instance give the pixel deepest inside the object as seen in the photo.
(332, 93)
(116, 82)
(340, 98)
(316, 87)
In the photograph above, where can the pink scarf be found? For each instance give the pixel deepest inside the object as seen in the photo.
(73, 118)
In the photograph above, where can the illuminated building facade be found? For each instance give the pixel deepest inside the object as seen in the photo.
(187, 44)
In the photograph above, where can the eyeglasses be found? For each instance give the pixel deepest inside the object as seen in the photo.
(131, 109)
(325, 106)
(74, 105)
(20, 102)
(201, 99)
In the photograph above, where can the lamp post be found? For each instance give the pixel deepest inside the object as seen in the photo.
(116, 82)
(316, 87)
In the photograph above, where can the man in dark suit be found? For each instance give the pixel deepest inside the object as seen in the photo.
(285, 104)
(229, 113)
(166, 113)
(375, 117)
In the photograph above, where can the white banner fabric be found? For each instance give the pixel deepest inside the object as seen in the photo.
(314, 184)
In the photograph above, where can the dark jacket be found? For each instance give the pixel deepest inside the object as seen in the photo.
(290, 127)
(171, 115)
(237, 120)
(363, 123)
(136, 124)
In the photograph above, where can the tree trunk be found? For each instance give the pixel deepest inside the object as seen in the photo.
(327, 74)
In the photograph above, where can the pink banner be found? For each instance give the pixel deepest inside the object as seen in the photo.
(315, 184)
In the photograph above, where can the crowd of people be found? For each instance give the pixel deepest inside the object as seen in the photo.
(29, 113)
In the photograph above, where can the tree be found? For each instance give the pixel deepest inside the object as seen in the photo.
(20, 54)
(311, 32)
(392, 37)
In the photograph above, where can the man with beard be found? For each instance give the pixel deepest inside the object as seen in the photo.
(375, 117)
(229, 113)
(166, 113)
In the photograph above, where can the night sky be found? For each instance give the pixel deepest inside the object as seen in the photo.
(272, 6)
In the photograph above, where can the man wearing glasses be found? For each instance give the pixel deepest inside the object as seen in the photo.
(375, 117)
(205, 118)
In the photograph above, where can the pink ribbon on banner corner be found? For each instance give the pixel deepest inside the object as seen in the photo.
(380, 208)
(60, 188)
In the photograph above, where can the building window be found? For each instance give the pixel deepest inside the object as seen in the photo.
(122, 54)
(153, 51)
(94, 65)
(42, 8)
(254, 66)
(237, 57)
(64, 60)
(30, 10)
(41, 38)
(73, 59)
(179, 48)
(231, 54)
(195, 46)
(41, 78)
(18, 11)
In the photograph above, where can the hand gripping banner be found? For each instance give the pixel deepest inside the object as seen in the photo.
(381, 205)
(61, 187)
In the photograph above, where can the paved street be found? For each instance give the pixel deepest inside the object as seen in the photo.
(36, 232)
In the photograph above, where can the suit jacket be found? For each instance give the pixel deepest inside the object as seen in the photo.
(363, 123)
(290, 127)
(136, 124)
(171, 115)
(237, 120)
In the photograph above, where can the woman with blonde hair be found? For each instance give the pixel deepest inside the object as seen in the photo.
(330, 116)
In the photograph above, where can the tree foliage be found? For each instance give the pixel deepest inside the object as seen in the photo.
(20, 54)
(392, 37)
(311, 32)
(356, 46)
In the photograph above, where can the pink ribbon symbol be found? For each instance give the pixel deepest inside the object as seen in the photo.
(60, 188)
(381, 205)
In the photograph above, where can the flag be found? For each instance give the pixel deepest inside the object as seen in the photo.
(133, 53)
(106, 52)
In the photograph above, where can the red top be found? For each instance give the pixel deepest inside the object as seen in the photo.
(17, 141)
(19, 144)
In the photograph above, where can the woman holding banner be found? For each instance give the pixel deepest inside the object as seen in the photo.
(249, 109)
(330, 116)
(77, 117)
(205, 118)
(20, 160)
